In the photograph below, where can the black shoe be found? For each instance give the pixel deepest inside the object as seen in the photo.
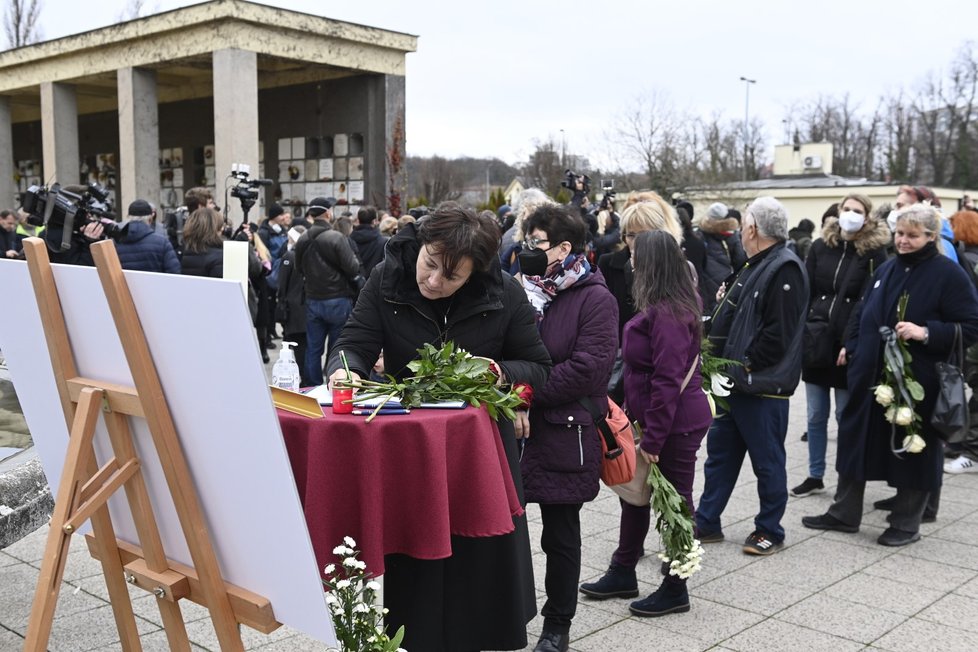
(264, 356)
(759, 543)
(886, 504)
(928, 518)
(667, 599)
(711, 537)
(894, 537)
(804, 436)
(809, 486)
(663, 569)
(617, 582)
(552, 642)
(827, 522)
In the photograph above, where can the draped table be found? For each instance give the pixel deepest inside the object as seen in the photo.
(401, 483)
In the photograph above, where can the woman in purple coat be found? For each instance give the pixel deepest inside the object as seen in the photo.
(660, 349)
(561, 460)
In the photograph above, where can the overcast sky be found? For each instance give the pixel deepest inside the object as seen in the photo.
(491, 77)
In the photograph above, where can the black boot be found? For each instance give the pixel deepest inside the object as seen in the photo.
(618, 582)
(552, 642)
(671, 597)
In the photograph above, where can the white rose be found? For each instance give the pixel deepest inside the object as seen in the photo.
(904, 416)
(914, 443)
(720, 385)
(884, 395)
(890, 414)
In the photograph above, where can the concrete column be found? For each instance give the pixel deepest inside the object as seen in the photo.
(139, 138)
(235, 121)
(59, 133)
(385, 120)
(8, 192)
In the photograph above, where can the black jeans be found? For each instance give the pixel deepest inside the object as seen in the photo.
(561, 542)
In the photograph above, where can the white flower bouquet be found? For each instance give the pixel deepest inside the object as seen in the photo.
(898, 391)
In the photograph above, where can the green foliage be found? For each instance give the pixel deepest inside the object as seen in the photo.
(445, 374)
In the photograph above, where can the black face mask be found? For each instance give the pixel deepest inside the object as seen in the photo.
(533, 262)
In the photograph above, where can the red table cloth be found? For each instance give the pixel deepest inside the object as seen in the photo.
(401, 483)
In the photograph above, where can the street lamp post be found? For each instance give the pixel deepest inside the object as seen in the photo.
(747, 83)
(563, 149)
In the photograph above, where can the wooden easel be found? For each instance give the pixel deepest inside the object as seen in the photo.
(85, 489)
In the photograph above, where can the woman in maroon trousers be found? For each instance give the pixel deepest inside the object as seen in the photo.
(660, 345)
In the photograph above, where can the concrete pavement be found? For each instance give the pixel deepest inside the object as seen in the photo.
(823, 591)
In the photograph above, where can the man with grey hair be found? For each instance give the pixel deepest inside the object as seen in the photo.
(141, 247)
(759, 321)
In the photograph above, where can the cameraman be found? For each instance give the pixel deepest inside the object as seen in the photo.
(77, 252)
(10, 241)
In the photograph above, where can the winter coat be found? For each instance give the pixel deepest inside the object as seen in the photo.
(695, 250)
(658, 350)
(327, 262)
(489, 316)
(206, 263)
(760, 323)
(940, 295)
(370, 244)
(840, 268)
(724, 254)
(143, 249)
(292, 296)
(10, 241)
(561, 460)
(617, 275)
(802, 240)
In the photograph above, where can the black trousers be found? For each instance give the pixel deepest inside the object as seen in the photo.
(907, 510)
(561, 542)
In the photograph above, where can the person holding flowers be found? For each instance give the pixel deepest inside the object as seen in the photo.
(918, 300)
(440, 281)
(661, 353)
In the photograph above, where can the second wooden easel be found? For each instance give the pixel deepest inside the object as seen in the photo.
(85, 488)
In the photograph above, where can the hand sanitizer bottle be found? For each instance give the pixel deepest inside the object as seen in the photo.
(285, 373)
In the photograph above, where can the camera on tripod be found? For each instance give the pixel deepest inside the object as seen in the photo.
(246, 190)
(69, 209)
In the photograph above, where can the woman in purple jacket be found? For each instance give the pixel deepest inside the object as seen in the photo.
(660, 345)
(561, 460)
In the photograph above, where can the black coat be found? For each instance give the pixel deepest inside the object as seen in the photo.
(724, 255)
(291, 296)
(839, 271)
(489, 316)
(370, 244)
(940, 296)
(618, 279)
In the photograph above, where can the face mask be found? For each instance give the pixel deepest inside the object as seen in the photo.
(533, 262)
(891, 219)
(851, 221)
(276, 227)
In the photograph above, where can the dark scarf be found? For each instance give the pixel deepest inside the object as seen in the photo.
(914, 258)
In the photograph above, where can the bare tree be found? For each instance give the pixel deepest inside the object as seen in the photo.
(544, 169)
(899, 150)
(20, 22)
(650, 133)
(439, 180)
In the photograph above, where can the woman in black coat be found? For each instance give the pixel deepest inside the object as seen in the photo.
(840, 265)
(939, 297)
(440, 281)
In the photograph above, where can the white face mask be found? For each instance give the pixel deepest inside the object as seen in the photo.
(891, 219)
(276, 227)
(851, 221)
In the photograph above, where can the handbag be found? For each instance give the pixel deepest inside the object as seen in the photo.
(617, 442)
(817, 345)
(950, 416)
(637, 491)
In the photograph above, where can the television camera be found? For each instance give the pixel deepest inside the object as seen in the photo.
(68, 210)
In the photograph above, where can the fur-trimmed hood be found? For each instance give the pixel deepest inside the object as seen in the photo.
(874, 234)
(719, 227)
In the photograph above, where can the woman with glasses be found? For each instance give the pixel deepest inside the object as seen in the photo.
(561, 460)
(840, 266)
(645, 211)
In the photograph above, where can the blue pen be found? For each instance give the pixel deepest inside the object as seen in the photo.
(366, 413)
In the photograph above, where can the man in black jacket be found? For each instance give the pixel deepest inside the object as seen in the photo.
(758, 323)
(370, 242)
(330, 271)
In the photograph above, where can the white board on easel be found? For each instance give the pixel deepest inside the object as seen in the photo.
(202, 342)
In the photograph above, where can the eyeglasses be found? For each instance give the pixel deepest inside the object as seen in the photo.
(531, 242)
(630, 236)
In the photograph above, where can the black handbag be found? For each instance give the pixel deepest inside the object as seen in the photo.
(817, 345)
(950, 416)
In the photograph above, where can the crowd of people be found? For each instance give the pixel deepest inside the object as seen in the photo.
(577, 305)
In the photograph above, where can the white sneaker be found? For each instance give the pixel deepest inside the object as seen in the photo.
(960, 464)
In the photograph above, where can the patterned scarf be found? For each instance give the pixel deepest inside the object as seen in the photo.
(541, 290)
